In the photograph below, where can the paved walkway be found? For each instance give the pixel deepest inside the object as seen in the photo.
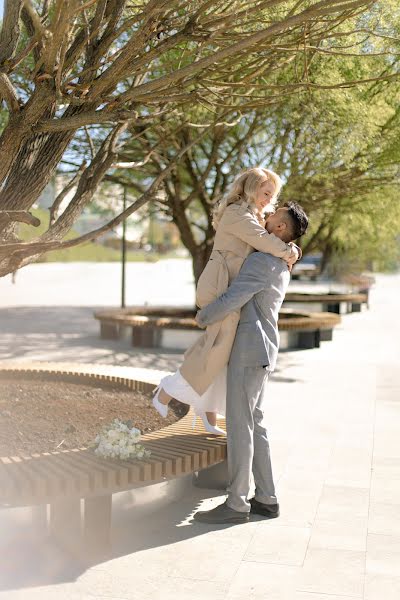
(334, 426)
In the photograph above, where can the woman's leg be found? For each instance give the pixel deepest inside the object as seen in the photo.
(212, 418)
(163, 397)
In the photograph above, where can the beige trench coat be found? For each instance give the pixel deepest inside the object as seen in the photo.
(238, 234)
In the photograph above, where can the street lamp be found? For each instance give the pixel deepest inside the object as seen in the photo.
(123, 254)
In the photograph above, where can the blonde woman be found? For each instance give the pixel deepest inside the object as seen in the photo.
(239, 223)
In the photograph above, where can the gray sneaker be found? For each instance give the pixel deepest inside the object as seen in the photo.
(221, 514)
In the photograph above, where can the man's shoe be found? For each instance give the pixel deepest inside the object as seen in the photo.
(221, 514)
(271, 511)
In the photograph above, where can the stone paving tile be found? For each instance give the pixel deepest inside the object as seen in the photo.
(339, 535)
(386, 467)
(299, 491)
(312, 596)
(349, 475)
(214, 556)
(260, 581)
(383, 555)
(180, 588)
(343, 503)
(387, 411)
(381, 587)
(384, 519)
(387, 443)
(298, 512)
(313, 455)
(147, 565)
(350, 464)
(339, 572)
(133, 586)
(66, 591)
(278, 545)
(385, 490)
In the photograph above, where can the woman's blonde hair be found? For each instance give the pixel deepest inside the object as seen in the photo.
(245, 188)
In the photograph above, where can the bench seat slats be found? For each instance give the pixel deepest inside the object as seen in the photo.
(171, 463)
(81, 473)
(74, 477)
(181, 461)
(30, 482)
(189, 456)
(10, 482)
(95, 474)
(112, 474)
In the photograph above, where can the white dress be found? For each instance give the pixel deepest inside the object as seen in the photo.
(213, 400)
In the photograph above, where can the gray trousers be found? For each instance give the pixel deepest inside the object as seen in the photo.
(248, 446)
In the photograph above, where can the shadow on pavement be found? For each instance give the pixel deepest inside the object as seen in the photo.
(71, 334)
(31, 558)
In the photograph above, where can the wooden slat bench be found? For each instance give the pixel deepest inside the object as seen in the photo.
(335, 303)
(147, 324)
(62, 478)
(309, 329)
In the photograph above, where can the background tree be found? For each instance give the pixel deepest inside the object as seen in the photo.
(338, 151)
(112, 65)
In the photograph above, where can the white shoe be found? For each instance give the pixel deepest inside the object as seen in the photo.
(161, 408)
(214, 429)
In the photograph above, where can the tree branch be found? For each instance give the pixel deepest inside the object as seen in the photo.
(8, 93)
(19, 216)
(64, 192)
(95, 117)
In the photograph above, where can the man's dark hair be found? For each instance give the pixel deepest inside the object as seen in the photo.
(298, 220)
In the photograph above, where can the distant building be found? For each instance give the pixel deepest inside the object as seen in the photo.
(142, 228)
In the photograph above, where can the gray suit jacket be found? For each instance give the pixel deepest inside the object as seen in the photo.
(258, 291)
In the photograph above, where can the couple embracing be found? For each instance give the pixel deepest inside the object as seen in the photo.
(225, 372)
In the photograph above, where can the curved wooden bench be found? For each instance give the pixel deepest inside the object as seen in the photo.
(63, 478)
(147, 324)
(309, 329)
(330, 302)
(361, 284)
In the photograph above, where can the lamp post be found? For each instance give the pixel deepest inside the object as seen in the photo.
(123, 254)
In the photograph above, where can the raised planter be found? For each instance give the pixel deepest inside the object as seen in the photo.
(176, 328)
(66, 479)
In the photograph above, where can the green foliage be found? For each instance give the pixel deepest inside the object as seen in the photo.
(368, 235)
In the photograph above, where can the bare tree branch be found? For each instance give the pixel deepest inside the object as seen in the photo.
(20, 216)
(8, 93)
(64, 192)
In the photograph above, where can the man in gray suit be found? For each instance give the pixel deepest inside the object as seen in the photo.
(258, 291)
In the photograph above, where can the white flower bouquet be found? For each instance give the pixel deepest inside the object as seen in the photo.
(119, 440)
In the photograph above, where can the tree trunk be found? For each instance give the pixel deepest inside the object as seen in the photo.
(37, 157)
(199, 260)
(326, 256)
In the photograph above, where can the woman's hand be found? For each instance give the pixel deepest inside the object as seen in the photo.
(296, 255)
(298, 249)
(198, 321)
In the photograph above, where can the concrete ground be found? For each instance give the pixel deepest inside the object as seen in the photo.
(334, 420)
(167, 282)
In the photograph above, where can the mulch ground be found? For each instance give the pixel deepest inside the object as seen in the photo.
(43, 416)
